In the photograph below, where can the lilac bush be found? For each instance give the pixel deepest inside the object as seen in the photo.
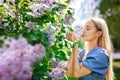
(17, 57)
(29, 18)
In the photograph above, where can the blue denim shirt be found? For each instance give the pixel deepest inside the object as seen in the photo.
(97, 60)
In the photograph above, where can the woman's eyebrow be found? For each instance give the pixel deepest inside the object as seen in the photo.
(88, 26)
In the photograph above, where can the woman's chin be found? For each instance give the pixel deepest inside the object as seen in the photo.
(83, 39)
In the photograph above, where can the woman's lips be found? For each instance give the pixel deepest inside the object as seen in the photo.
(83, 35)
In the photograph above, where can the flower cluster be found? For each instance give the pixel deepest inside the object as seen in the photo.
(30, 24)
(48, 2)
(57, 73)
(69, 19)
(38, 9)
(11, 1)
(1, 2)
(78, 29)
(51, 36)
(17, 58)
(78, 32)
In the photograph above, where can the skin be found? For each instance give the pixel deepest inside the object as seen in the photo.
(90, 35)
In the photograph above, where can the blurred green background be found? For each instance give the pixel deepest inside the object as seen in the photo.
(110, 9)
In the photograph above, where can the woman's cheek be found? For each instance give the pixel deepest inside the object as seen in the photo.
(88, 37)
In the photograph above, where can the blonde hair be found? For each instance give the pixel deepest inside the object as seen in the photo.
(105, 42)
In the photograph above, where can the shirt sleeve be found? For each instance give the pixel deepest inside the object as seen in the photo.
(81, 54)
(97, 62)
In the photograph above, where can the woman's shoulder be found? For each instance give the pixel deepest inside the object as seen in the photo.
(102, 51)
(99, 51)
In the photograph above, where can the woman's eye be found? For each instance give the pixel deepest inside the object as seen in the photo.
(88, 29)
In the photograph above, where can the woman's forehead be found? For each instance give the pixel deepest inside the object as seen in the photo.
(89, 24)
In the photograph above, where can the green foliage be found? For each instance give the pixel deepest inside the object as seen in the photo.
(110, 9)
(41, 68)
(117, 73)
(61, 47)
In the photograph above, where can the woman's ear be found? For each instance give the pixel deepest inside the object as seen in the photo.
(99, 33)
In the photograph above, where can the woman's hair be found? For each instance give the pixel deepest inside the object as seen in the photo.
(105, 42)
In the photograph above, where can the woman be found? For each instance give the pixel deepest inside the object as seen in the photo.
(95, 61)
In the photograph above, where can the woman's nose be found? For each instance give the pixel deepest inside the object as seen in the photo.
(84, 31)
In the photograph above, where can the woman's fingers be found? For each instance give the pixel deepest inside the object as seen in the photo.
(67, 35)
(70, 36)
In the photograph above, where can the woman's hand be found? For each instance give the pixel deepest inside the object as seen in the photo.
(71, 36)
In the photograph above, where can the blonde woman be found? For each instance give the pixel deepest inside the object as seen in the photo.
(95, 61)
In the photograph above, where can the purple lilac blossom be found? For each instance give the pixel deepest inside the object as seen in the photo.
(57, 73)
(30, 24)
(38, 9)
(47, 2)
(17, 58)
(78, 32)
(1, 2)
(12, 1)
(51, 36)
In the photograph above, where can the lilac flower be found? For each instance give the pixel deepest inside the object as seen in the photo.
(52, 39)
(48, 2)
(39, 50)
(10, 11)
(69, 19)
(57, 73)
(17, 58)
(30, 24)
(78, 29)
(51, 36)
(78, 32)
(38, 9)
(12, 1)
(1, 2)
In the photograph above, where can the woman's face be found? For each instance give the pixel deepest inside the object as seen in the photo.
(90, 32)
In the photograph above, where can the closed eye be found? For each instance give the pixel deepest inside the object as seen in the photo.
(87, 29)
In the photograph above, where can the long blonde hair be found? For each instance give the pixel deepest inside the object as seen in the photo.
(105, 42)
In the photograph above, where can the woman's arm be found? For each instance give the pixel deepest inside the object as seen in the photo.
(79, 69)
(69, 70)
(70, 67)
(74, 68)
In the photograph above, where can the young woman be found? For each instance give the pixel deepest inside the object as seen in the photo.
(95, 61)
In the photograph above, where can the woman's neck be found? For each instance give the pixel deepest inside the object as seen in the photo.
(91, 45)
